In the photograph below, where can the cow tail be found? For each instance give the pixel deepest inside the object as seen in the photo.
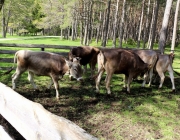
(171, 57)
(15, 58)
(101, 64)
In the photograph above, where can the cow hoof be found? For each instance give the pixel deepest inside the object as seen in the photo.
(173, 91)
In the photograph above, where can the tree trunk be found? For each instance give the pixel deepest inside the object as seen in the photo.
(140, 25)
(106, 24)
(99, 27)
(175, 27)
(115, 24)
(146, 25)
(61, 34)
(73, 31)
(151, 26)
(122, 24)
(82, 31)
(1, 4)
(163, 31)
(86, 10)
(90, 22)
(3, 24)
(154, 23)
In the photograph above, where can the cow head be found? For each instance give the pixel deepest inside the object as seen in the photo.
(76, 59)
(146, 69)
(75, 69)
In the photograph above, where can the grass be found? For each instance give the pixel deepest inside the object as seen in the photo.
(146, 113)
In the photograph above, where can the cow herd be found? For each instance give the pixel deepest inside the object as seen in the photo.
(130, 62)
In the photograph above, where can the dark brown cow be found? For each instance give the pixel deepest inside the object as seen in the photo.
(164, 64)
(118, 61)
(43, 64)
(87, 54)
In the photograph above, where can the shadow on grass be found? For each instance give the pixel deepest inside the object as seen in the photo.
(79, 102)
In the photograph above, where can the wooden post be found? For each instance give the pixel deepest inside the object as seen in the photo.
(34, 122)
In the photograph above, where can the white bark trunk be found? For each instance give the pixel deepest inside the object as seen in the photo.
(33, 122)
(163, 31)
(175, 27)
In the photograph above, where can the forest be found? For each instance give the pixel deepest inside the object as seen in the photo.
(140, 22)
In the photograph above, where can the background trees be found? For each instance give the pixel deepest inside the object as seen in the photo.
(131, 21)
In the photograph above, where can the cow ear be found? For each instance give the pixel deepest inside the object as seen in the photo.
(69, 63)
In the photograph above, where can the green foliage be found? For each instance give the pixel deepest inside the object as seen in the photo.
(131, 41)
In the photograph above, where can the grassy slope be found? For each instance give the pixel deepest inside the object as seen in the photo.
(146, 113)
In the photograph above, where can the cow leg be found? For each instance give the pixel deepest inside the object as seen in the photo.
(31, 79)
(16, 76)
(108, 80)
(125, 81)
(145, 79)
(55, 81)
(170, 70)
(150, 77)
(98, 79)
(129, 82)
(161, 75)
(92, 69)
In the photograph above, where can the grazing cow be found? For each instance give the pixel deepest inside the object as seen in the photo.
(43, 64)
(149, 57)
(164, 63)
(77, 71)
(87, 54)
(119, 61)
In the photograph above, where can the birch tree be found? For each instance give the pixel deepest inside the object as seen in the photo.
(153, 24)
(140, 25)
(106, 24)
(115, 24)
(175, 27)
(162, 39)
(146, 25)
(122, 24)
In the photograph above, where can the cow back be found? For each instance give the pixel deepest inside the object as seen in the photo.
(86, 53)
(123, 61)
(43, 63)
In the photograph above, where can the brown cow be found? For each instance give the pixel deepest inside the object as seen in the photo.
(119, 61)
(149, 57)
(164, 64)
(43, 64)
(87, 54)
